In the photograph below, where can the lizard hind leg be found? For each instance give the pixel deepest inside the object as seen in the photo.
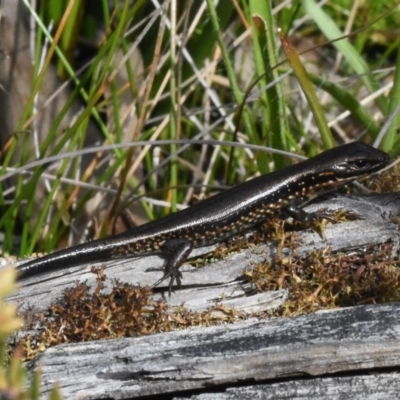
(176, 251)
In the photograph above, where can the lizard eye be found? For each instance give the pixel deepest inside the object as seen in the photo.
(359, 164)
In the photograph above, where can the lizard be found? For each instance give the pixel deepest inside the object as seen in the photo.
(224, 215)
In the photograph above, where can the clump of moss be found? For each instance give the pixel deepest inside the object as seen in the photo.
(387, 181)
(322, 280)
(85, 314)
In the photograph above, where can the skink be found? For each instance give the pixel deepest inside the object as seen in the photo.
(223, 215)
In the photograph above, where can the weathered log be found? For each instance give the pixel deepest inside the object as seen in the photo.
(356, 339)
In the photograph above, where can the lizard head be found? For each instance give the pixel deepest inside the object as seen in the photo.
(353, 160)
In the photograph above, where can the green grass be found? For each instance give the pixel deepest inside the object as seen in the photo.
(203, 78)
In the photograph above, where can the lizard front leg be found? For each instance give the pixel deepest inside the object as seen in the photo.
(177, 252)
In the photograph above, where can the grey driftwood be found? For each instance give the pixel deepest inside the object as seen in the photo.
(275, 353)
(265, 357)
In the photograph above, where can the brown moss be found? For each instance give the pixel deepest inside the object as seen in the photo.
(83, 315)
(323, 280)
(387, 181)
